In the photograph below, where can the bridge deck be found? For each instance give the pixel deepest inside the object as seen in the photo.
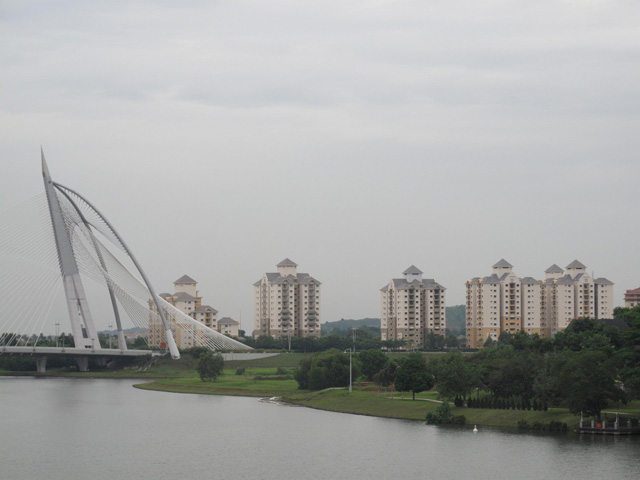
(68, 351)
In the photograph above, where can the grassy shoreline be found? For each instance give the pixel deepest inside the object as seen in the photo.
(361, 401)
(273, 377)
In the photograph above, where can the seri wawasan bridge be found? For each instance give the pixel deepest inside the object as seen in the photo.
(50, 246)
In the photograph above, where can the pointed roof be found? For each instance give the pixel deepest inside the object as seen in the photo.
(554, 269)
(287, 263)
(412, 270)
(576, 264)
(602, 281)
(185, 279)
(204, 308)
(183, 296)
(227, 321)
(503, 264)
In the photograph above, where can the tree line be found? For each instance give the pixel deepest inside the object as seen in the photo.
(587, 367)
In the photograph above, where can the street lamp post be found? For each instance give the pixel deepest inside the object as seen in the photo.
(350, 369)
(352, 350)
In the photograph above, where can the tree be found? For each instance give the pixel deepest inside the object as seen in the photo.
(628, 358)
(413, 376)
(325, 370)
(139, 342)
(372, 362)
(587, 381)
(451, 341)
(454, 376)
(434, 341)
(394, 344)
(210, 366)
(442, 415)
(385, 377)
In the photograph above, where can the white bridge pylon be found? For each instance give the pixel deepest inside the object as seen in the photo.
(81, 244)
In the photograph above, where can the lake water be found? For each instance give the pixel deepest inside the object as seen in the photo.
(106, 429)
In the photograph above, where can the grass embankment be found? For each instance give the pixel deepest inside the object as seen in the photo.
(364, 400)
(284, 360)
(261, 379)
(273, 377)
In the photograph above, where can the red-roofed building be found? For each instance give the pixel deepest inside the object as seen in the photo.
(632, 298)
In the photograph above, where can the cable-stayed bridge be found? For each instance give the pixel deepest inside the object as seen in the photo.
(58, 245)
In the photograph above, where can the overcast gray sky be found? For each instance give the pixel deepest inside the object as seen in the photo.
(356, 138)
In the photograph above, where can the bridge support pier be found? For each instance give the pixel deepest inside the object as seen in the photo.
(83, 363)
(41, 364)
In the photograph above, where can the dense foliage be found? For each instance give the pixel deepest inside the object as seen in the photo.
(325, 370)
(413, 375)
(210, 366)
(587, 367)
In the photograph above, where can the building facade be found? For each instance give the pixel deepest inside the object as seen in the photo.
(287, 303)
(186, 299)
(411, 308)
(632, 298)
(228, 326)
(504, 302)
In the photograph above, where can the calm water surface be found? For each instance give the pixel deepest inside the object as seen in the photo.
(106, 429)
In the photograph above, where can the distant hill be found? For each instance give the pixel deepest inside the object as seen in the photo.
(456, 319)
(342, 326)
(127, 330)
(456, 322)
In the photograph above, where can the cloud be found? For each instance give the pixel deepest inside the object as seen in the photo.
(355, 138)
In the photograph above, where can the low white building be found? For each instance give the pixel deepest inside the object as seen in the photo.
(228, 326)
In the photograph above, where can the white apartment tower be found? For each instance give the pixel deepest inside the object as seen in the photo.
(412, 308)
(504, 302)
(286, 303)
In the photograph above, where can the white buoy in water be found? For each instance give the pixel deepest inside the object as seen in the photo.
(475, 429)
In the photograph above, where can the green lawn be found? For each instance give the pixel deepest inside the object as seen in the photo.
(286, 360)
(365, 399)
(263, 382)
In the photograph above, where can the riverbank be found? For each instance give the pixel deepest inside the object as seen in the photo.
(363, 400)
(273, 377)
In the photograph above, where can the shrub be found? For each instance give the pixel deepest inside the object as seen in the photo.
(443, 416)
(433, 418)
(240, 371)
(210, 366)
(459, 420)
(558, 426)
(196, 352)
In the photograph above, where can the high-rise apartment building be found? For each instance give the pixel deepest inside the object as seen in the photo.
(504, 302)
(186, 299)
(412, 308)
(287, 303)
